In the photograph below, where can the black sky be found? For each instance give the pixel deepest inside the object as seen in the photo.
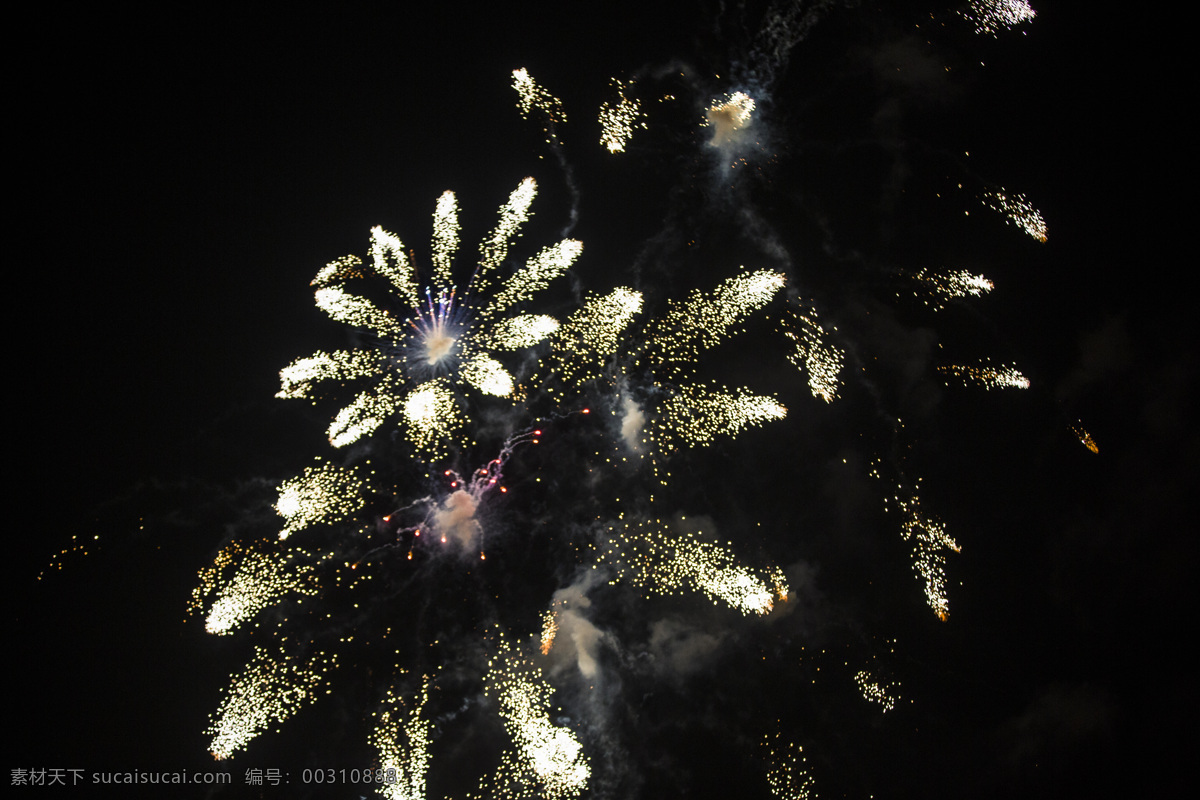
(181, 175)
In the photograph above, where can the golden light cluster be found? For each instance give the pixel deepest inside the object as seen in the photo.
(728, 116)
(1084, 437)
(549, 630)
(619, 119)
(531, 96)
(812, 353)
(992, 16)
(945, 286)
(402, 737)
(259, 580)
(543, 754)
(1018, 211)
(930, 543)
(324, 493)
(787, 775)
(696, 414)
(650, 555)
(874, 691)
(988, 376)
(270, 689)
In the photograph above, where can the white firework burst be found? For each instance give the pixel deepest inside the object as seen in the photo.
(442, 345)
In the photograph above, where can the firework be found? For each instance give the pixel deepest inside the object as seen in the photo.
(446, 345)
(453, 517)
(650, 555)
(582, 347)
(1018, 211)
(992, 16)
(813, 354)
(435, 359)
(728, 117)
(874, 691)
(693, 414)
(325, 493)
(531, 96)
(402, 738)
(260, 580)
(945, 286)
(1084, 437)
(988, 376)
(270, 689)
(929, 542)
(543, 754)
(619, 119)
(787, 775)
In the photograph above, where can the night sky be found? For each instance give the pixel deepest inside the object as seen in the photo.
(180, 177)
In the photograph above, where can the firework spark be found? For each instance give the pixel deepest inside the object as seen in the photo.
(813, 354)
(1084, 437)
(325, 493)
(874, 691)
(453, 517)
(532, 96)
(402, 737)
(987, 376)
(619, 119)
(787, 774)
(650, 555)
(1018, 211)
(930, 543)
(993, 16)
(693, 414)
(728, 117)
(260, 580)
(270, 689)
(943, 287)
(543, 754)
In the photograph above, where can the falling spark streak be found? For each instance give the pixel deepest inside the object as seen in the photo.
(402, 738)
(992, 16)
(325, 493)
(447, 343)
(1084, 437)
(930, 543)
(647, 554)
(705, 319)
(267, 690)
(697, 415)
(690, 412)
(260, 581)
(946, 286)
(544, 754)
(549, 631)
(531, 96)
(1002, 377)
(583, 345)
(618, 120)
(1019, 211)
(821, 360)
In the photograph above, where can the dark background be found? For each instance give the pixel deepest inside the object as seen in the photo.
(181, 174)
